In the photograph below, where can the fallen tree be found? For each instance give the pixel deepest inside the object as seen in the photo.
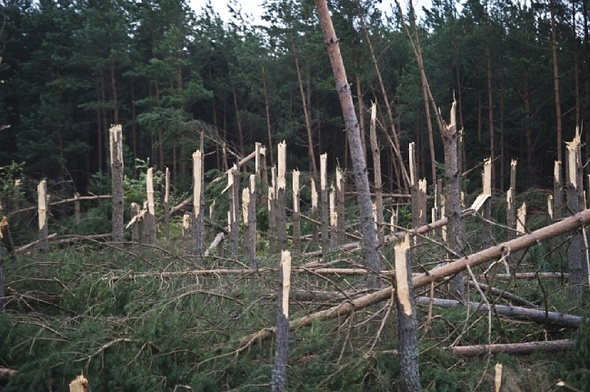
(574, 222)
(562, 320)
(513, 348)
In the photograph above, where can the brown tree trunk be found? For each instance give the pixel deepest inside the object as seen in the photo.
(490, 103)
(453, 198)
(354, 141)
(556, 80)
(116, 148)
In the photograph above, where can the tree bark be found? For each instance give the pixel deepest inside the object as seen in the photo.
(354, 141)
(116, 148)
(406, 319)
(514, 348)
(556, 79)
(453, 198)
(540, 316)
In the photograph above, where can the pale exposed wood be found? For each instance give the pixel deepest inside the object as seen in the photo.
(333, 217)
(514, 348)
(80, 384)
(117, 175)
(557, 190)
(151, 206)
(42, 213)
(281, 197)
(214, 245)
(345, 308)
(314, 196)
(497, 377)
(186, 225)
(340, 206)
(167, 204)
(279, 371)
(286, 286)
(325, 203)
(401, 277)
(486, 227)
(296, 211)
(521, 220)
(198, 203)
(252, 221)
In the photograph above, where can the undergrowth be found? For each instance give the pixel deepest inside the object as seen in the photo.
(137, 318)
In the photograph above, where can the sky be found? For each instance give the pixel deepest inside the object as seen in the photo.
(254, 7)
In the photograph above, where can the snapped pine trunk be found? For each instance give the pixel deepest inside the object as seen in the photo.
(116, 154)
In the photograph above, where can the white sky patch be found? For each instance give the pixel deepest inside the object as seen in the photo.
(254, 10)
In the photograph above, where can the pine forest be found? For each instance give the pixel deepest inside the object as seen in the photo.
(335, 196)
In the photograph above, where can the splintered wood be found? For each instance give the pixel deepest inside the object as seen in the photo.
(401, 275)
(80, 384)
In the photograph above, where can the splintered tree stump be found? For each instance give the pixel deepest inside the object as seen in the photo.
(80, 384)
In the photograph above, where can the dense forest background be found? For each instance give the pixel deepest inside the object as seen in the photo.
(71, 68)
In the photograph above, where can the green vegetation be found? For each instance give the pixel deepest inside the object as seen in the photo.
(132, 318)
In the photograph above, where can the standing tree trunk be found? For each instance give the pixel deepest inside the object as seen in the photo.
(406, 319)
(490, 103)
(556, 79)
(453, 198)
(279, 371)
(116, 148)
(354, 141)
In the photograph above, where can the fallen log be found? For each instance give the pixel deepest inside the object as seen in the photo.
(561, 320)
(345, 308)
(513, 348)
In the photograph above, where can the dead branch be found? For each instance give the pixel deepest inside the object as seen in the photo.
(504, 294)
(561, 320)
(344, 309)
(65, 201)
(513, 348)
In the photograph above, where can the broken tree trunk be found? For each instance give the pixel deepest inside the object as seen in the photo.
(198, 204)
(42, 214)
(574, 201)
(296, 212)
(325, 205)
(406, 319)
(514, 348)
(279, 372)
(116, 150)
(150, 217)
(80, 384)
(281, 197)
(449, 269)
